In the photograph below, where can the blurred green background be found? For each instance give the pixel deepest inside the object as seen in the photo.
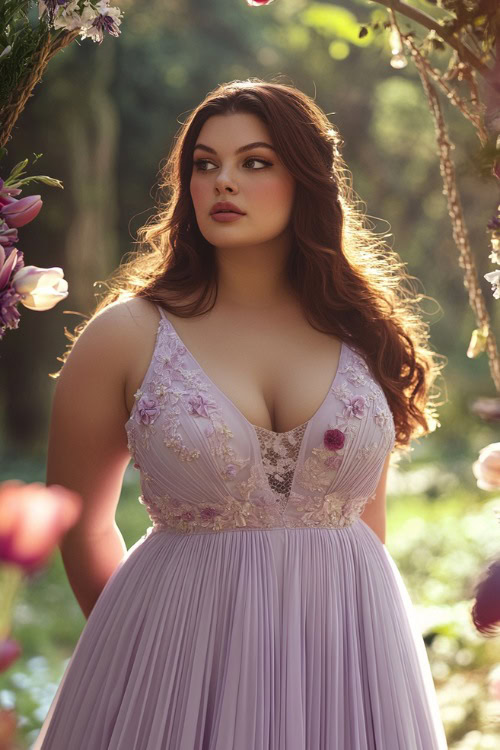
(104, 118)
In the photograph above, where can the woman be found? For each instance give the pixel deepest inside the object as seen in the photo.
(260, 365)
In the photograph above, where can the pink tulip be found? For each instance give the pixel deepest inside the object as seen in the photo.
(6, 266)
(9, 236)
(487, 467)
(10, 650)
(33, 518)
(17, 213)
(6, 191)
(40, 288)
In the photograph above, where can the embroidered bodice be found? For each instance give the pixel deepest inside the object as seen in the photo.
(204, 467)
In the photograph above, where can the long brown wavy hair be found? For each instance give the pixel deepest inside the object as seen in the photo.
(348, 281)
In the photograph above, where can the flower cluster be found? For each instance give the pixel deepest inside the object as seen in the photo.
(36, 288)
(92, 20)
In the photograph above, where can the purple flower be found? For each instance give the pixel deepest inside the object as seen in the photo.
(147, 409)
(9, 314)
(231, 470)
(334, 440)
(355, 406)
(200, 405)
(9, 263)
(9, 236)
(207, 513)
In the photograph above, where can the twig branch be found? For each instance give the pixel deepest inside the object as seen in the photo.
(430, 23)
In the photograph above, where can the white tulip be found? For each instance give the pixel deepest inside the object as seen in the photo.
(40, 288)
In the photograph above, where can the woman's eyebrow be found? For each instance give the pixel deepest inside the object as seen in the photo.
(238, 150)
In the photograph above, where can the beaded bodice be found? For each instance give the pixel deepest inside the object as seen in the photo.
(204, 467)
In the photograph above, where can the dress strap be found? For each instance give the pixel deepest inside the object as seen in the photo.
(162, 312)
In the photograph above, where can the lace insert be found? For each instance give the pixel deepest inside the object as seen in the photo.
(280, 451)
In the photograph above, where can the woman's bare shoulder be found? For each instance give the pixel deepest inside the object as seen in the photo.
(130, 314)
(114, 336)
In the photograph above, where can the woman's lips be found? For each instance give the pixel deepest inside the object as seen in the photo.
(226, 216)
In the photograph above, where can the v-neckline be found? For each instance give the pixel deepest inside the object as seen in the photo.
(254, 427)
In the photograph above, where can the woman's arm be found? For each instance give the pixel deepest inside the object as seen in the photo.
(87, 449)
(374, 513)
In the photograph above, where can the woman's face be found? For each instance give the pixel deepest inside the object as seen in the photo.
(255, 180)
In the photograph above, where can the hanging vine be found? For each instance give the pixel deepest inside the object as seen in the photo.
(471, 29)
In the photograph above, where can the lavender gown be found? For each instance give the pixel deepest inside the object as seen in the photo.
(258, 612)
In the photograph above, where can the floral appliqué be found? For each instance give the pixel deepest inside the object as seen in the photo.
(173, 388)
(246, 508)
(264, 499)
(320, 468)
(357, 373)
(330, 510)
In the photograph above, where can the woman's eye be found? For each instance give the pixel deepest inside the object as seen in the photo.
(200, 162)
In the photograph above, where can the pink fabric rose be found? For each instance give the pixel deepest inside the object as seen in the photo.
(355, 406)
(334, 440)
(207, 513)
(200, 405)
(147, 409)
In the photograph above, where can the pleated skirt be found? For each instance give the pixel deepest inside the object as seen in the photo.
(275, 639)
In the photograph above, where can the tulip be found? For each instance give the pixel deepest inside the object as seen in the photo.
(9, 236)
(7, 191)
(7, 265)
(33, 518)
(17, 213)
(40, 288)
(487, 467)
